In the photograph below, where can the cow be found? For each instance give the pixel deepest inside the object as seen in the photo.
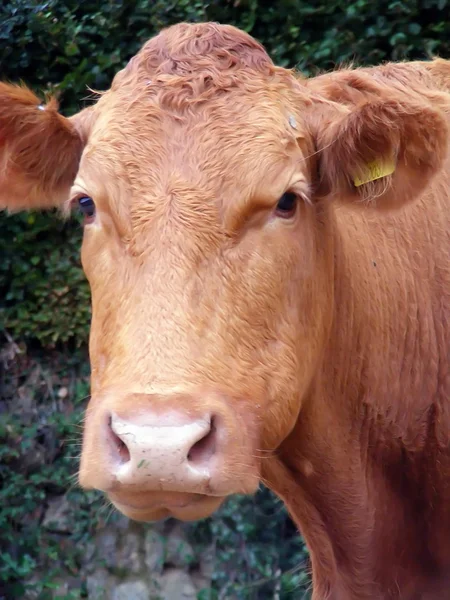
(268, 256)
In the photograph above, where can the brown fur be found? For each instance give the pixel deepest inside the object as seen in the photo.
(32, 174)
(324, 338)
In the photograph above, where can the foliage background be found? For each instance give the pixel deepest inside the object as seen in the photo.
(64, 46)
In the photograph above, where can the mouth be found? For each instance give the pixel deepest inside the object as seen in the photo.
(157, 506)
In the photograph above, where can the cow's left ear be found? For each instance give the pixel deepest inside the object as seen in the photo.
(382, 152)
(39, 150)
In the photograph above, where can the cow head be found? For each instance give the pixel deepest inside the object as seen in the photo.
(206, 176)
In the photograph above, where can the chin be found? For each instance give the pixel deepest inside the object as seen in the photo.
(184, 507)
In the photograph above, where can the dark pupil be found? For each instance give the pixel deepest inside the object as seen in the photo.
(287, 202)
(87, 206)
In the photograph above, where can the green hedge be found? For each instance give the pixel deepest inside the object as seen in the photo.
(68, 45)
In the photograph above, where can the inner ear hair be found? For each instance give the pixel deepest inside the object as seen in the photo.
(383, 153)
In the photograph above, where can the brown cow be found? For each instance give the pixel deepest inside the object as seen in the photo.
(269, 265)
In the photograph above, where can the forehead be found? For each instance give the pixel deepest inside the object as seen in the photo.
(200, 113)
(140, 133)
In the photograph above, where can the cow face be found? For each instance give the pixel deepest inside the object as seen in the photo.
(202, 255)
(205, 176)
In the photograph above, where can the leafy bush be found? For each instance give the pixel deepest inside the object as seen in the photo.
(261, 553)
(45, 294)
(41, 405)
(68, 45)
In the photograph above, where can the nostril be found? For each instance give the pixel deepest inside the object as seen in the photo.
(120, 448)
(202, 450)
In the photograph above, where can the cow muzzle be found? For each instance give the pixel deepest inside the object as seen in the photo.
(161, 455)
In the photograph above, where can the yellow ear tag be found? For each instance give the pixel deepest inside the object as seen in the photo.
(375, 170)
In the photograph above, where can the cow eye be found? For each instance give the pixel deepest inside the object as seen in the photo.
(286, 205)
(87, 208)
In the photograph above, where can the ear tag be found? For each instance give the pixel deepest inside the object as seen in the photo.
(375, 170)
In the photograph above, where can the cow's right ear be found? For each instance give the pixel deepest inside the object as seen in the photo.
(376, 146)
(39, 150)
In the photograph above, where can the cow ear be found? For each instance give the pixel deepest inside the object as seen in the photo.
(39, 151)
(382, 153)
